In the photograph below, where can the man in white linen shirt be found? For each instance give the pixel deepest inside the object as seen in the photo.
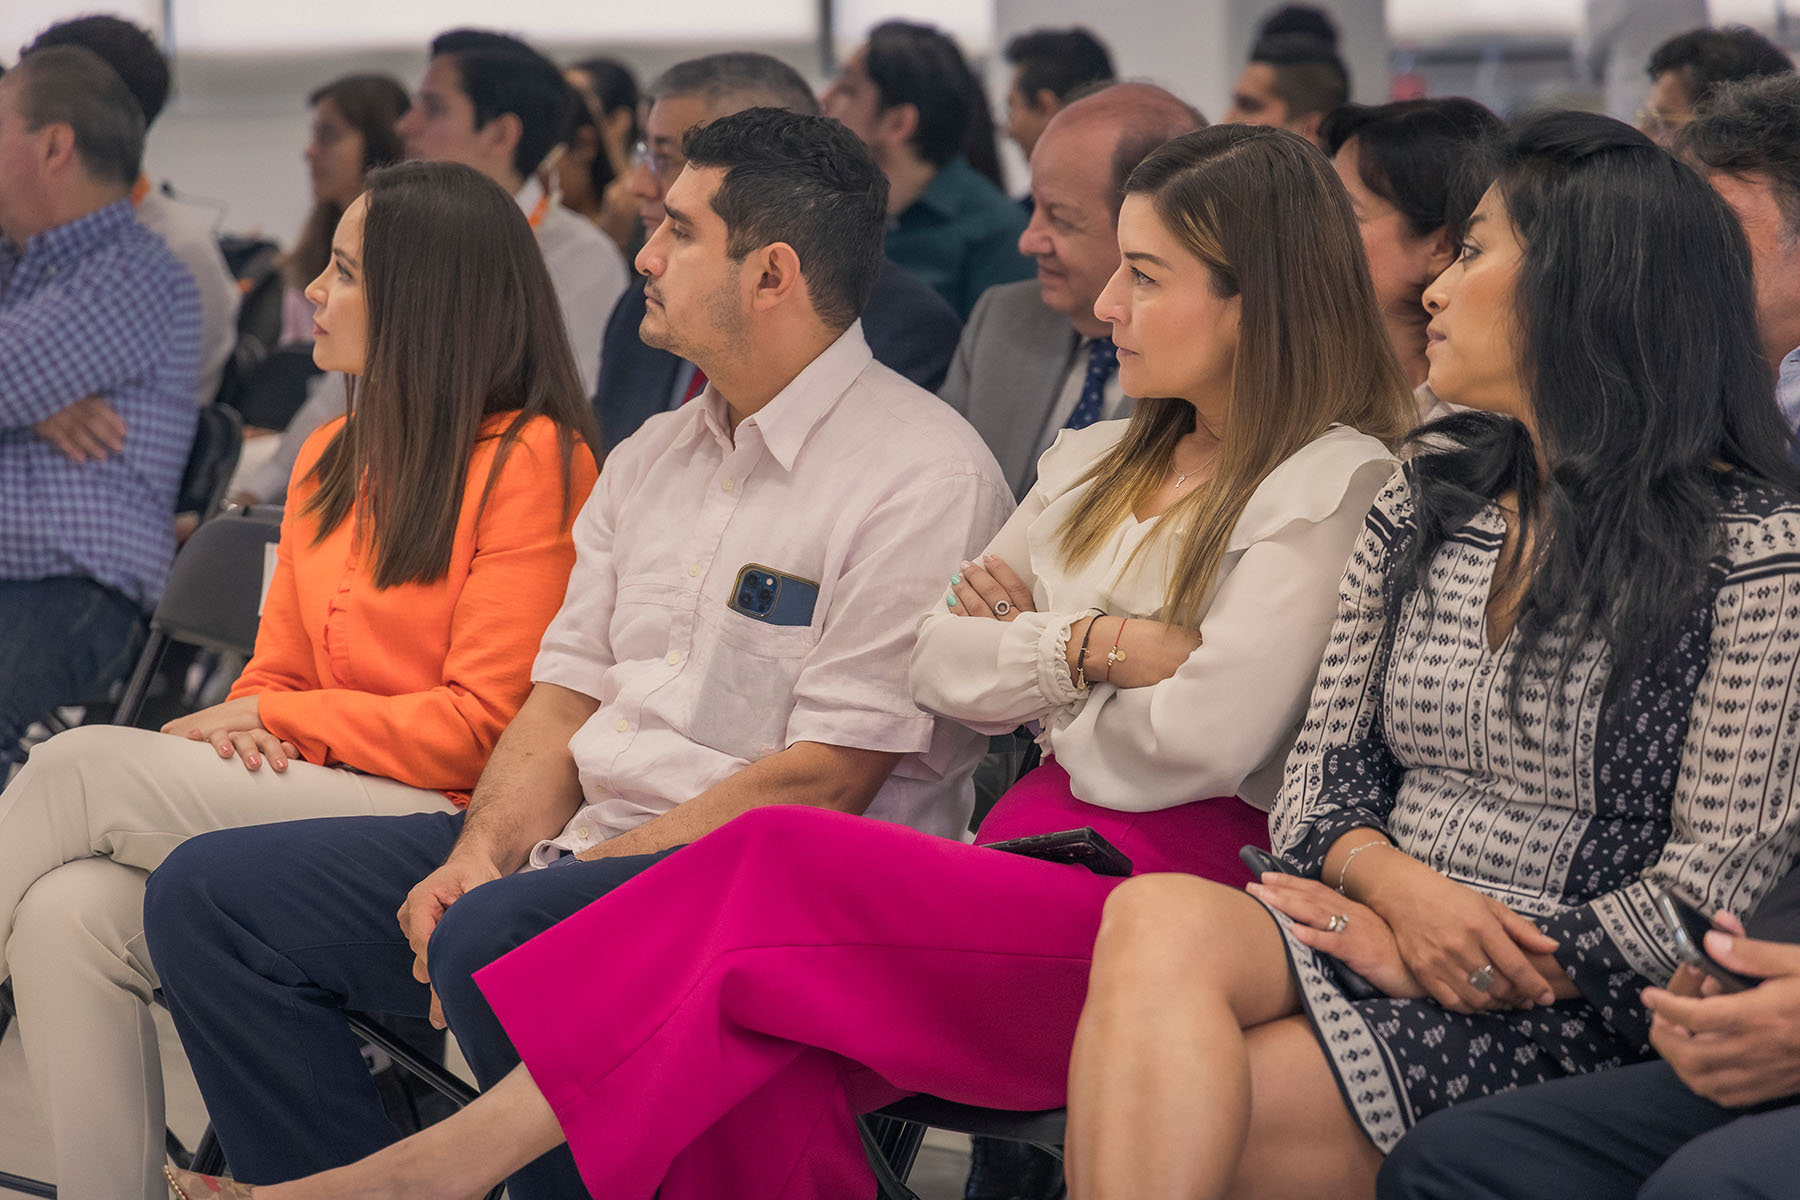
(750, 571)
(490, 102)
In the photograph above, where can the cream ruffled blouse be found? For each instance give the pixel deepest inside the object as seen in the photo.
(1224, 722)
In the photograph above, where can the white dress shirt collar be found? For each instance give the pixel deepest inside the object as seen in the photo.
(785, 423)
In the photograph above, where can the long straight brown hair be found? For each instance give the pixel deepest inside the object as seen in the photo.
(1267, 215)
(463, 323)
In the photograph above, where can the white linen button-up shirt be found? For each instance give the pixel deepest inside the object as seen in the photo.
(851, 477)
(1223, 724)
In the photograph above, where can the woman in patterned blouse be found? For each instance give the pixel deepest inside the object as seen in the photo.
(1565, 673)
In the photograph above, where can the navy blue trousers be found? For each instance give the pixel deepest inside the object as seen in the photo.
(263, 936)
(1637, 1133)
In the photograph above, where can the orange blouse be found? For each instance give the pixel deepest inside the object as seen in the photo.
(415, 682)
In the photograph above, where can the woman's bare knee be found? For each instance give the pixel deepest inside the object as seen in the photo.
(1180, 933)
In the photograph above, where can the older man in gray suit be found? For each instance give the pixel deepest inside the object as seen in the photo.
(1033, 359)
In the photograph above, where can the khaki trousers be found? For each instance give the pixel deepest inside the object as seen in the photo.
(94, 811)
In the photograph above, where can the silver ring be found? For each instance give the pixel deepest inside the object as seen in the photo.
(1002, 608)
(1482, 978)
(1337, 923)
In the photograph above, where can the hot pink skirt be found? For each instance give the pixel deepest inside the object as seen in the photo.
(1201, 837)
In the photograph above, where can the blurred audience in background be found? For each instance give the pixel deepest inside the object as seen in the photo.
(1048, 67)
(188, 231)
(353, 132)
(1686, 70)
(593, 172)
(100, 327)
(910, 96)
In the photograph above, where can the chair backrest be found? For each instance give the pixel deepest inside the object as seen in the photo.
(276, 388)
(215, 587)
(218, 440)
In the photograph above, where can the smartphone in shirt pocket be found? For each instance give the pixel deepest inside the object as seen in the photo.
(773, 597)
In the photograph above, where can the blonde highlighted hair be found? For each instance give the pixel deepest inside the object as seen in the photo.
(1267, 215)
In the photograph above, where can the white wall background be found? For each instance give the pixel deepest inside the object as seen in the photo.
(236, 125)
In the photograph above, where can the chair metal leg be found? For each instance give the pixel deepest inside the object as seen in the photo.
(131, 704)
(881, 1137)
(209, 1158)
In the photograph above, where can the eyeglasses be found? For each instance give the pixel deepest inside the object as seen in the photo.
(663, 166)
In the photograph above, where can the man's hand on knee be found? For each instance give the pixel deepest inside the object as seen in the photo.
(430, 899)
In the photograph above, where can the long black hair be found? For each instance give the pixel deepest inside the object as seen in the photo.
(1637, 332)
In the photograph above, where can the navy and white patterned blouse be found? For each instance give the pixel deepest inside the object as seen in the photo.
(98, 306)
(1572, 810)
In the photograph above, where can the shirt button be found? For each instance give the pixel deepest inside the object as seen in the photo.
(694, 570)
(674, 658)
(621, 724)
(729, 485)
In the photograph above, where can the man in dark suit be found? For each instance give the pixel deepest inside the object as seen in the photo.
(1034, 359)
(1718, 1116)
(908, 326)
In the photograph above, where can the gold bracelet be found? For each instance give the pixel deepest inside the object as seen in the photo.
(1344, 870)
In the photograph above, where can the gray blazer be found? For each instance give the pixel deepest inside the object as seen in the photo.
(1009, 368)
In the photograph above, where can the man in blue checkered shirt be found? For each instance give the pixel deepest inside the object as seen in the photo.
(99, 359)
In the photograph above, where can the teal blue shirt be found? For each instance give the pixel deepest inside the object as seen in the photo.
(961, 236)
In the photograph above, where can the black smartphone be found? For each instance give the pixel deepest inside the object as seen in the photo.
(1262, 862)
(1689, 929)
(1079, 847)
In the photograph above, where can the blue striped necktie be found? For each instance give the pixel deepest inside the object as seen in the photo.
(1103, 360)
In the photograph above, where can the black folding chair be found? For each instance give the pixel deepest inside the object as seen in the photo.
(218, 442)
(213, 598)
(892, 1136)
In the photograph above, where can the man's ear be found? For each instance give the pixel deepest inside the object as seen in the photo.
(778, 278)
(1308, 126)
(1046, 103)
(897, 125)
(56, 150)
(503, 134)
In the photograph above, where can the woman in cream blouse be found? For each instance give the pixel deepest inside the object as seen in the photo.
(752, 993)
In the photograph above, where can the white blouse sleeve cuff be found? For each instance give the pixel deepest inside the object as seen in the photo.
(1058, 689)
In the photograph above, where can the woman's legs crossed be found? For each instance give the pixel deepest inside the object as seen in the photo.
(82, 982)
(134, 795)
(1164, 1079)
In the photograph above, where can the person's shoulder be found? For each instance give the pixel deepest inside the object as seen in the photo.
(1341, 468)
(1761, 525)
(1073, 454)
(899, 296)
(570, 241)
(301, 483)
(905, 427)
(1014, 314)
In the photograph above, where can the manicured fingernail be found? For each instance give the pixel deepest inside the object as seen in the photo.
(251, 760)
(987, 558)
(955, 579)
(281, 764)
(950, 600)
(967, 564)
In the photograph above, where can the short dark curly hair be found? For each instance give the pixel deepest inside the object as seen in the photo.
(806, 181)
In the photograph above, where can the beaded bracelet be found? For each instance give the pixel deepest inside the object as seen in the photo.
(1116, 655)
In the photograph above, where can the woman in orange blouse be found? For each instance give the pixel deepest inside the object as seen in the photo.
(396, 640)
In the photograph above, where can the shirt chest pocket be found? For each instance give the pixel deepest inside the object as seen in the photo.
(743, 677)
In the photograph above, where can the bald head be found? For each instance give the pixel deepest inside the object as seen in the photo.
(1078, 172)
(1138, 116)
